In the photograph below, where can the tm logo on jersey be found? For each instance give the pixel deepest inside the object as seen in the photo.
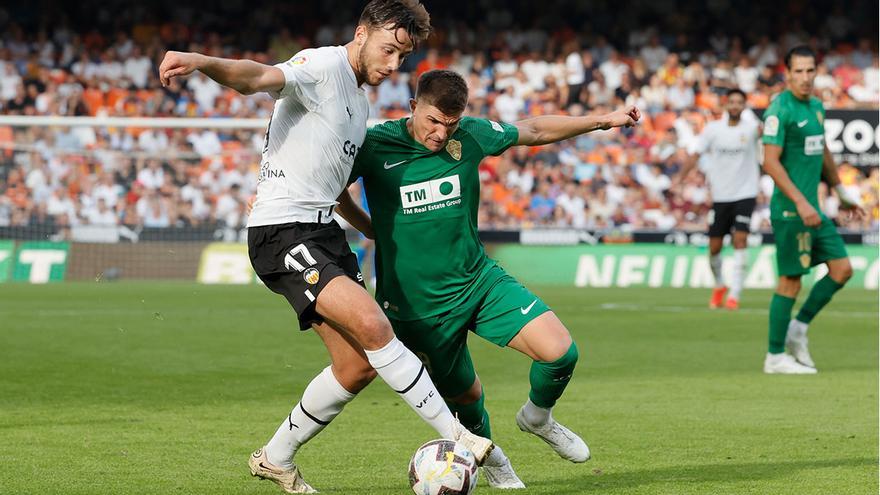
(430, 195)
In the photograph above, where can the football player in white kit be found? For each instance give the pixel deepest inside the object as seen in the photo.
(295, 246)
(730, 161)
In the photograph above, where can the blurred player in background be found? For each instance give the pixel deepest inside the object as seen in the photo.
(728, 148)
(296, 247)
(435, 281)
(796, 157)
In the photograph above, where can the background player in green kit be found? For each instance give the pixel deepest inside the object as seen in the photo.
(435, 281)
(796, 157)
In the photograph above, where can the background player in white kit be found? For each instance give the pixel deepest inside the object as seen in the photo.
(296, 247)
(730, 161)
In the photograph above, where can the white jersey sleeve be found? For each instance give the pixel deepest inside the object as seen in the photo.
(302, 75)
(704, 140)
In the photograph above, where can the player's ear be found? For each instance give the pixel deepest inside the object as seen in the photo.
(360, 34)
(412, 105)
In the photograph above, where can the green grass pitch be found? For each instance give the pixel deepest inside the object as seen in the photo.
(167, 388)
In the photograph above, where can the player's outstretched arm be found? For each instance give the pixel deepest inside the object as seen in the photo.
(245, 76)
(689, 164)
(552, 128)
(773, 167)
(829, 172)
(354, 214)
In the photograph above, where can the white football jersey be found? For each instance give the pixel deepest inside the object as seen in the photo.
(318, 126)
(730, 159)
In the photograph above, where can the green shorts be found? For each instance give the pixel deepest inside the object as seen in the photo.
(799, 248)
(498, 309)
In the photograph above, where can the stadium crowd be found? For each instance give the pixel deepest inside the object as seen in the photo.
(200, 177)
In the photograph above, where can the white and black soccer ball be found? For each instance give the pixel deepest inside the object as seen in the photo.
(443, 467)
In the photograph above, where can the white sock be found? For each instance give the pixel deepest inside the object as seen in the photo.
(715, 263)
(535, 415)
(740, 258)
(797, 327)
(322, 401)
(406, 375)
(496, 458)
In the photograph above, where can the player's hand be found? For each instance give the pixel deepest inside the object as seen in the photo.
(627, 117)
(808, 214)
(854, 210)
(177, 64)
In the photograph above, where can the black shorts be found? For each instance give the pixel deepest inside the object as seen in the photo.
(735, 215)
(297, 260)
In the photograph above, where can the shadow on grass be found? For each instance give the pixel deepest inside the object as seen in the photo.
(703, 473)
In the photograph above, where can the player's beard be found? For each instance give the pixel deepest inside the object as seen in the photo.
(363, 71)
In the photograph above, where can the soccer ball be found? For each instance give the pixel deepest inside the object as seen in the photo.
(443, 467)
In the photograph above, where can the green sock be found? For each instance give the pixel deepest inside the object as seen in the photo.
(473, 416)
(821, 294)
(780, 316)
(549, 380)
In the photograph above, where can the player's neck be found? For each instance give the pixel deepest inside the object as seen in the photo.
(805, 97)
(733, 122)
(352, 55)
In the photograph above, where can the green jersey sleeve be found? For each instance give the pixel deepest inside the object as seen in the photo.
(493, 137)
(774, 124)
(361, 166)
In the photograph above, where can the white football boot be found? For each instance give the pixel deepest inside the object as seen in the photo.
(785, 364)
(796, 343)
(565, 442)
(499, 472)
(290, 480)
(479, 446)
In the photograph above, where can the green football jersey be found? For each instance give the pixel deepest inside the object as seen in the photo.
(424, 206)
(798, 127)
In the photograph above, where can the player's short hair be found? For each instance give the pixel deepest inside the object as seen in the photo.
(799, 51)
(736, 91)
(444, 89)
(410, 15)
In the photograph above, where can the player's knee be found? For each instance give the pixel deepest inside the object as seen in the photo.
(374, 331)
(558, 348)
(842, 273)
(567, 358)
(470, 396)
(789, 286)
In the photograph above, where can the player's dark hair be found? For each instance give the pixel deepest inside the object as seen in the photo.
(736, 91)
(799, 51)
(395, 14)
(444, 89)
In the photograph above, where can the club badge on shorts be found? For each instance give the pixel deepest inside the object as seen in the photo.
(805, 260)
(453, 147)
(311, 276)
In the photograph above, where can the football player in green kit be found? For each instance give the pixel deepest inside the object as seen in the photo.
(796, 157)
(435, 281)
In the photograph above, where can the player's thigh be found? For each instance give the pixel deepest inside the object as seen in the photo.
(828, 247)
(794, 242)
(721, 219)
(440, 342)
(742, 214)
(511, 315)
(300, 261)
(347, 359)
(543, 339)
(348, 306)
